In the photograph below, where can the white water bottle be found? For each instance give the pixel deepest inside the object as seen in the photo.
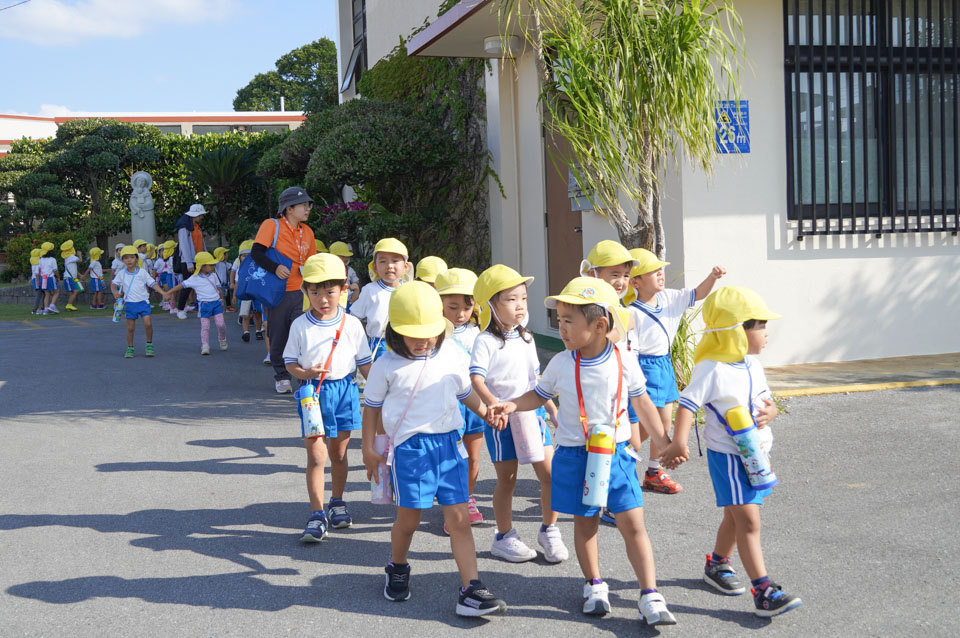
(381, 493)
(527, 436)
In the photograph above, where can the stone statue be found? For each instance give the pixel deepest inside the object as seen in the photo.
(142, 221)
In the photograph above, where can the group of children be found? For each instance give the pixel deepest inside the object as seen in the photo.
(448, 362)
(45, 277)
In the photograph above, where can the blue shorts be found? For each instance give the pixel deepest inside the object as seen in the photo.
(661, 379)
(210, 308)
(69, 285)
(427, 466)
(50, 283)
(566, 482)
(730, 483)
(96, 284)
(33, 282)
(339, 406)
(500, 442)
(472, 424)
(136, 309)
(378, 347)
(166, 279)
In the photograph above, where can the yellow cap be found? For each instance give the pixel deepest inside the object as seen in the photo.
(388, 245)
(151, 251)
(246, 246)
(429, 267)
(139, 242)
(36, 252)
(586, 290)
(203, 258)
(95, 252)
(219, 252)
(417, 311)
(67, 253)
(340, 249)
(491, 281)
(724, 312)
(34, 260)
(67, 246)
(646, 262)
(456, 281)
(46, 247)
(321, 247)
(606, 253)
(128, 250)
(323, 267)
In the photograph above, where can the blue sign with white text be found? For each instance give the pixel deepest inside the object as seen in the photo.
(733, 126)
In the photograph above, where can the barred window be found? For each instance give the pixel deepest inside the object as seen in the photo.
(872, 116)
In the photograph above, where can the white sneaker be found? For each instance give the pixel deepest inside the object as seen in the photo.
(511, 548)
(182, 314)
(653, 610)
(53, 309)
(223, 344)
(597, 602)
(553, 548)
(283, 386)
(205, 348)
(266, 360)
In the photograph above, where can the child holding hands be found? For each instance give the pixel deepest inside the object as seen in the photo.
(206, 285)
(132, 283)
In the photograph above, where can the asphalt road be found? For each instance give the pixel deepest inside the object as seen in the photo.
(165, 497)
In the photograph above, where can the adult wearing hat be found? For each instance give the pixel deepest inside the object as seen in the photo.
(189, 243)
(295, 241)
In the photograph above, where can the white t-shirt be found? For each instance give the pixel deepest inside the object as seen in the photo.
(434, 408)
(372, 306)
(96, 269)
(509, 368)
(654, 336)
(168, 264)
(159, 266)
(134, 284)
(35, 271)
(222, 270)
(117, 265)
(206, 286)
(236, 262)
(719, 387)
(598, 380)
(70, 267)
(48, 266)
(310, 340)
(352, 276)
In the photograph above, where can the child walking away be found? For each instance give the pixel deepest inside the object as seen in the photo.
(222, 268)
(455, 287)
(94, 276)
(206, 285)
(656, 313)
(160, 271)
(387, 269)
(324, 348)
(71, 275)
(414, 389)
(48, 279)
(249, 308)
(35, 281)
(132, 284)
(594, 381)
(343, 251)
(170, 277)
(503, 365)
(728, 380)
(429, 268)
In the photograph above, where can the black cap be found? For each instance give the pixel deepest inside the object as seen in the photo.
(291, 197)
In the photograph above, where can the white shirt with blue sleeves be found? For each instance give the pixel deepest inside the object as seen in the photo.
(372, 306)
(655, 325)
(310, 341)
(598, 380)
(509, 368)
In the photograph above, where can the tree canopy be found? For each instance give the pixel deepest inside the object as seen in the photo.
(306, 77)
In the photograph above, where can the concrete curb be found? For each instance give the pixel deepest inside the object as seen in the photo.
(863, 387)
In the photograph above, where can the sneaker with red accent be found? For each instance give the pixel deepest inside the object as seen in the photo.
(660, 482)
(475, 515)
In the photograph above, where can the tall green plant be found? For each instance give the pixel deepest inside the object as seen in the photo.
(630, 83)
(223, 171)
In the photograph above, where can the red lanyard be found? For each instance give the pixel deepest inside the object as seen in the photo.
(300, 249)
(333, 347)
(583, 410)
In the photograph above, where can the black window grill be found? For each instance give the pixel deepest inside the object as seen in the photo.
(872, 116)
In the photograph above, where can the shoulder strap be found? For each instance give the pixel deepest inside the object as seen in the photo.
(662, 327)
(333, 346)
(413, 393)
(276, 233)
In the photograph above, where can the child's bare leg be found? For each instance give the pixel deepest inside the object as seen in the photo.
(339, 467)
(401, 535)
(666, 414)
(131, 326)
(585, 544)
(46, 299)
(56, 295)
(316, 460)
(148, 328)
(257, 321)
(726, 535)
(245, 324)
(457, 521)
(474, 445)
(639, 549)
(542, 471)
(746, 518)
(503, 494)
(73, 297)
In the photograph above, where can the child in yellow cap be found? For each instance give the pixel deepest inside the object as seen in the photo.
(657, 312)
(47, 267)
(728, 380)
(133, 285)
(205, 283)
(141, 246)
(342, 250)
(160, 271)
(455, 287)
(222, 268)
(168, 278)
(250, 309)
(71, 273)
(387, 271)
(94, 277)
(595, 381)
(414, 390)
(504, 364)
(429, 268)
(610, 261)
(35, 281)
(324, 349)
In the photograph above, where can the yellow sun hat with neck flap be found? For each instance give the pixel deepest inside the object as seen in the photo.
(592, 290)
(219, 253)
(203, 258)
(340, 249)
(416, 311)
(128, 250)
(723, 313)
(95, 253)
(495, 279)
(606, 253)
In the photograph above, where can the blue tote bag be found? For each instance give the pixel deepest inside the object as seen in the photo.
(253, 282)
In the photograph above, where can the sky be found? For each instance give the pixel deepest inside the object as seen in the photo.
(67, 56)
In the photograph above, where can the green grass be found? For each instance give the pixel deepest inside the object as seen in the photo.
(21, 312)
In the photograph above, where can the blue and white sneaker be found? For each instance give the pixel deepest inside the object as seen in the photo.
(772, 601)
(339, 516)
(721, 577)
(316, 529)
